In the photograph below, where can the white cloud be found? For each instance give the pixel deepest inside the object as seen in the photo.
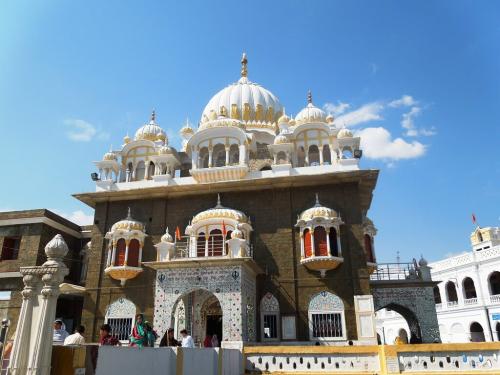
(83, 131)
(377, 143)
(78, 217)
(404, 101)
(336, 109)
(368, 112)
(408, 123)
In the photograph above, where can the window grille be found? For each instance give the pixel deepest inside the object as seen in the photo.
(270, 326)
(325, 325)
(121, 328)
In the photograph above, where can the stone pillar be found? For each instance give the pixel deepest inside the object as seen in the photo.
(243, 154)
(32, 350)
(210, 153)
(227, 156)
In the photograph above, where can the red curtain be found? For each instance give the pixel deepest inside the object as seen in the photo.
(120, 252)
(215, 242)
(200, 245)
(133, 253)
(320, 245)
(307, 243)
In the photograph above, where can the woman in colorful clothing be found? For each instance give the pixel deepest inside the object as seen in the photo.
(139, 335)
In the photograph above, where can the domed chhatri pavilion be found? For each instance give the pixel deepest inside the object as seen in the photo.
(254, 230)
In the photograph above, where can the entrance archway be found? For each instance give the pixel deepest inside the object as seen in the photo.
(200, 313)
(410, 318)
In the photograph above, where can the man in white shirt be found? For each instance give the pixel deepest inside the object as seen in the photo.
(60, 333)
(187, 341)
(76, 338)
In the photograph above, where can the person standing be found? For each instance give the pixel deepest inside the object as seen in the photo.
(168, 339)
(139, 334)
(187, 341)
(60, 333)
(215, 341)
(151, 335)
(208, 341)
(105, 337)
(77, 337)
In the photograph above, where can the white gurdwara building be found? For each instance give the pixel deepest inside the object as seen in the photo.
(467, 297)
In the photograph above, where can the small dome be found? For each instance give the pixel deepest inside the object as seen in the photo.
(151, 131)
(422, 262)
(284, 119)
(164, 150)
(128, 224)
(237, 234)
(292, 122)
(344, 133)
(244, 100)
(186, 131)
(310, 113)
(330, 119)
(109, 156)
(280, 139)
(220, 212)
(126, 139)
(167, 237)
(318, 211)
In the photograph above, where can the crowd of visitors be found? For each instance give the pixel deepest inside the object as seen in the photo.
(143, 335)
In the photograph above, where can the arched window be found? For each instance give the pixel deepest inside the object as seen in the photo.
(151, 170)
(219, 155)
(234, 154)
(133, 253)
(120, 252)
(281, 158)
(307, 243)
(313, 154)
(494, 281)
(326, 317)
(320, 245)
(476, 332)
(130, 169)
(469, 288)
(120, 316)
(203, 158)
(334, 248)
(327, 156)
(215, 243)
(437, 295)
(369, 249)
(301, 157)
(451, 292)
(140, 171)
(200, 245)
(270, 315)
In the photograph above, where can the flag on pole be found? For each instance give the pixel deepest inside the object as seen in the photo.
(223, 229)
(474, 221)
(178, 233)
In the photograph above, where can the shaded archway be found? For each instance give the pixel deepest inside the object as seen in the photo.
(494, 283)
(451, 293)
(469, 288)
(437, 295)
(476, 332)
(410, 318)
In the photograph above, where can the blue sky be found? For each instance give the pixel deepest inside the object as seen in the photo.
(418, 80)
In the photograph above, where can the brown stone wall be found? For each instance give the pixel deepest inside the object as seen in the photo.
(275, 240)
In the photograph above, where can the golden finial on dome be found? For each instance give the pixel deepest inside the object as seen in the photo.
(309, 97)
(244, 62)
(153, 116)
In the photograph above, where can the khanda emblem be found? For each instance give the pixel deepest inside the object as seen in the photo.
(235, 274)
(161, 278)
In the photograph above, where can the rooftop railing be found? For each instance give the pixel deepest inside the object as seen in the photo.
(394, 271)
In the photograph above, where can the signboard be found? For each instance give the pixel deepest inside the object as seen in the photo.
(495, 316)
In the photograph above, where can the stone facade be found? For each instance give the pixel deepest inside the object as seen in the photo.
(275, 242)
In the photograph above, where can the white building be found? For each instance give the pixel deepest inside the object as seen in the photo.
(467, 297)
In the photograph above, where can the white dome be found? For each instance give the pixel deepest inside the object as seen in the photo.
(128, 224)
(244, 100)
(151, 131)
(310, 113)
(167, 237)
(109, 156)
(220, 212)
(318, 211)
(344, 133)
(280, 138)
